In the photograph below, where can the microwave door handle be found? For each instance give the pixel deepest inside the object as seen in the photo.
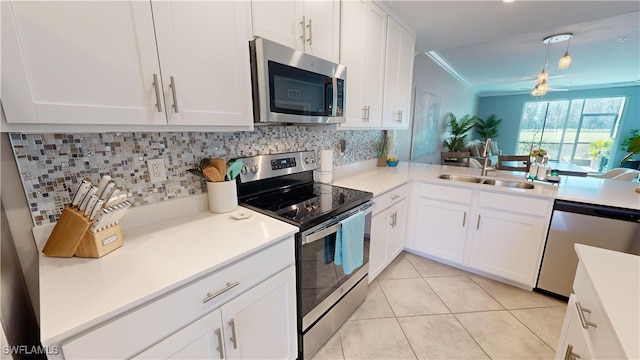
(334, 102)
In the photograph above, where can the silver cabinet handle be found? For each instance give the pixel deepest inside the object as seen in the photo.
(395, 197)
(399, 116)
(172, 85)
(464, 219)
(364, 114)
(478, 224)
(220, 347)
(156, 85)
(220, 292)
(233, 334)
(395, 219)
(310, 33)
(570, 355)
(585, 323)
(391, 217)
(304, 30)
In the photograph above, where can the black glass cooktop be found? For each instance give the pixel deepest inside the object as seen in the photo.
(308, 204)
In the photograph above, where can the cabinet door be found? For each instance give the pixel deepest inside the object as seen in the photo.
(573, 340)
(395, 241)
(261, 323)
(200, 340)
(310, 26)
(80, 62)
(322, 29)
(279, 21)
(507, 245)
(441, 228)
(204, 56)
(362, 49)
(398, 76)
(380, 228)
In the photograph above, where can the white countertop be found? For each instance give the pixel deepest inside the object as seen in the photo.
(78, 293)
(587, 190)
(616, 279)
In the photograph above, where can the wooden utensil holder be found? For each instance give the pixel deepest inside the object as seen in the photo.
(71, 236)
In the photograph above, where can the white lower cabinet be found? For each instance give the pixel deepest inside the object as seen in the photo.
(488, 232)
(245, 310)
(388, 225)
(260, 323)
(573, 342)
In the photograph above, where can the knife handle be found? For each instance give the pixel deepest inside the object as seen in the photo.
(92, 191)
(81, 192)
(96, 208)
(98, 223)
(103, 184)
(90, 204)
(104, 195)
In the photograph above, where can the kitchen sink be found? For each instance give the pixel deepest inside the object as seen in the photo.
(464, 178)
(507, 183)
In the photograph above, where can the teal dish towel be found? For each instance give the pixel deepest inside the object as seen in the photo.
(350, 243)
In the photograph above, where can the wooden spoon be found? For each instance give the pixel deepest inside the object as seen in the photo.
(220, 164)
(212, 174)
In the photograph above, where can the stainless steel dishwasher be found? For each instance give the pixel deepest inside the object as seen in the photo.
(596, 225)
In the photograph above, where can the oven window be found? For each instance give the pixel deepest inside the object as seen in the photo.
(320, 276)
(296, 91)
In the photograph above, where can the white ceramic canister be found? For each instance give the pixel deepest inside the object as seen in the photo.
(223, 196)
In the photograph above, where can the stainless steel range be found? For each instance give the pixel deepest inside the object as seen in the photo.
(282, 186)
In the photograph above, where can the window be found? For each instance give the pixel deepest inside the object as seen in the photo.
(566, 128)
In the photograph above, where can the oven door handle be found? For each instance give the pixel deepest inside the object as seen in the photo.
(314, 236)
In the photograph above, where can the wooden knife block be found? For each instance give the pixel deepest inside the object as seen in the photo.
(71, 236)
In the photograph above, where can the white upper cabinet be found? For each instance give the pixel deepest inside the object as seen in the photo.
(398, 76)
(97, 62)
(204, 54)
(309, 26)
(362, 50)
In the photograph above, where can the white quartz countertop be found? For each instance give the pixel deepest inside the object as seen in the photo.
(587, 190)
(78, 293)
(616, 279)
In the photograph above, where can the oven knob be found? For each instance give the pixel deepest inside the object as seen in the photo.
(245, 170)
(254, 168)
(309, 160)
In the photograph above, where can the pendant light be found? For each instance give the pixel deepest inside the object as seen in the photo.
(542, 86)
(565, 60)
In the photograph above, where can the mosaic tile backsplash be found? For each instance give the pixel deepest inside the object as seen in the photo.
(52, 165)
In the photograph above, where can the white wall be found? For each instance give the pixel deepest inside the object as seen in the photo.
(455, 97)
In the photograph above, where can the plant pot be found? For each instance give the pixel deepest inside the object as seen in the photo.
(382, 161)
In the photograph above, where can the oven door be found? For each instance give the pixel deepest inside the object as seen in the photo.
(322, 282)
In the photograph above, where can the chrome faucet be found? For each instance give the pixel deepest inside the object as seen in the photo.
(484, 170)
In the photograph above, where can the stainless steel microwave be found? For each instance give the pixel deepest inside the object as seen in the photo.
(290, 86)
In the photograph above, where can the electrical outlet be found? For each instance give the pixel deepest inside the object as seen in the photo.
(157, 171)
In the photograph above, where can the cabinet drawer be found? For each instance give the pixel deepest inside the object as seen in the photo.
(447, 193)
(391, 197)
(603, 339)
(525, 205)
(140, 328)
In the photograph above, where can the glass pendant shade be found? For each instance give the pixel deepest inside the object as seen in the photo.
(543, 76)
(542, 88)
(565, 62)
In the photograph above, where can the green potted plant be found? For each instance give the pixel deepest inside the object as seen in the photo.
(458, 129)
(488, 128)
(599, 150)
(631, 144)
(382, 150)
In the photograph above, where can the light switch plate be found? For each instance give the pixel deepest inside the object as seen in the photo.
(157, 171)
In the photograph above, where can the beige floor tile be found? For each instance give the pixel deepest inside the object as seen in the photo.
(514, 298)
(461, 294)
(400, 268)
(375, 306)
(374, 339)
(332, 349)
(440, 337)
(428, 268)
(502, 336)
(409, 297)
(544, 322)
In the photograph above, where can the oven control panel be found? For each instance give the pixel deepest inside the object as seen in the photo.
(261, 167)
(283, 163)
